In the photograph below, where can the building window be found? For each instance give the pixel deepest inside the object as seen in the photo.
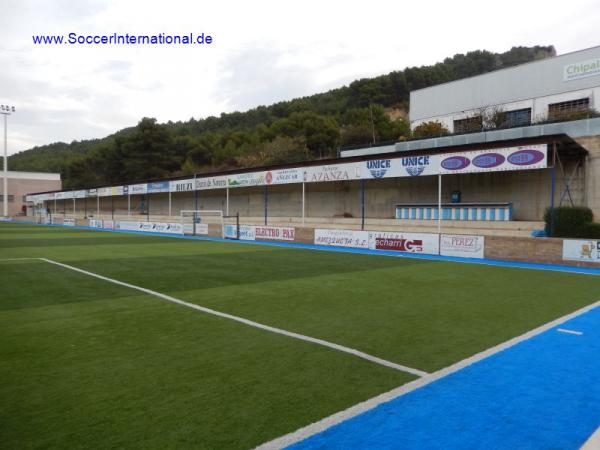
(468, 125)
(573, 109)
(11, 198)
(517, 118)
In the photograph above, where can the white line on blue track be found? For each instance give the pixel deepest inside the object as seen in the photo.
(564, 330)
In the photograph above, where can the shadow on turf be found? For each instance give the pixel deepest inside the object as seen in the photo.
(206, 271)
(37, 284)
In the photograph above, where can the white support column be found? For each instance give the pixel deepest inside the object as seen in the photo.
(74, 209)
(439, 203)
(303, 202)
(227, 202)
(5, 192)
(169, 204)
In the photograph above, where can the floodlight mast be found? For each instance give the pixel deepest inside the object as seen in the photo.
(6, 110)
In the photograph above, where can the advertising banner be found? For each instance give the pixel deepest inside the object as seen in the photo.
(581, 250)
(425, 243)
(336, 172)
(246, 179)
(342, 238)
(496, 160)
(211, 183)
(158, 186)
(116, 190)
(92, 192)
(108, 225)
(151, 227)
(104, 192)
(95, 223)
(182, 185)
(68, 222)
(79, 194)
(275, 233)
(284, 176)
(410, 166)
(138, 189)
(462, 245)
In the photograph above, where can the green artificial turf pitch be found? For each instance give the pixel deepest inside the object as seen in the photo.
(89, 364)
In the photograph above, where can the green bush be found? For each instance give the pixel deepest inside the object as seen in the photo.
(591, 231)
(570, 222)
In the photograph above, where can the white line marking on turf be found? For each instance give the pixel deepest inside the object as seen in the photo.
(564, 330)
(353, 411)
(251, 323)
(16, 259)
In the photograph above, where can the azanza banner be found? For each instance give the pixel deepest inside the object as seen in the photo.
(496, 160)
(462, 245)
(581, 250)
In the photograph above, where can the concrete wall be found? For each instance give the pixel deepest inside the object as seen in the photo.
(592, 174)
(19, 187)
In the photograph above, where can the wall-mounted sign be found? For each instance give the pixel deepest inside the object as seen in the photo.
(497, 160)
(158, 186)
(182, 185)
(581, 250)
(581, 69)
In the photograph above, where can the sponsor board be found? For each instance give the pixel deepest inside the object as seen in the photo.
(116, 190)
(211, 183)
(275, 233)
(284, 176)
(246, 232)
(581, 69)
(104, 192)
(68, 222)
(404, 242)
(409, 166)
(182, 185)
(512, 158)
(462, 245)
(92, 192)
(581, 250)
(337, 172)
(138, 188)
(95, 223)
(246, 179)
(342, 238)
(108, 225)
(158, 186)
(150, 227)
(79, 194)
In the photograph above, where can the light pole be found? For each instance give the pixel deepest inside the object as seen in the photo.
(6, 111)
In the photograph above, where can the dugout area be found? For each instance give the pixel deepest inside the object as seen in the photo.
(90, 361)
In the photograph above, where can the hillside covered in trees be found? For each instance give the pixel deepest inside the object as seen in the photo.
(367, 110)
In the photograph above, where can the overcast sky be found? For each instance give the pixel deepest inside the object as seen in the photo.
(263, 52)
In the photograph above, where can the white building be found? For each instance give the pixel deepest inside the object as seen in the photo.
(565, 86)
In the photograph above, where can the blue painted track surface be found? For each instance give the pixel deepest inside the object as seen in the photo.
(543, 393)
